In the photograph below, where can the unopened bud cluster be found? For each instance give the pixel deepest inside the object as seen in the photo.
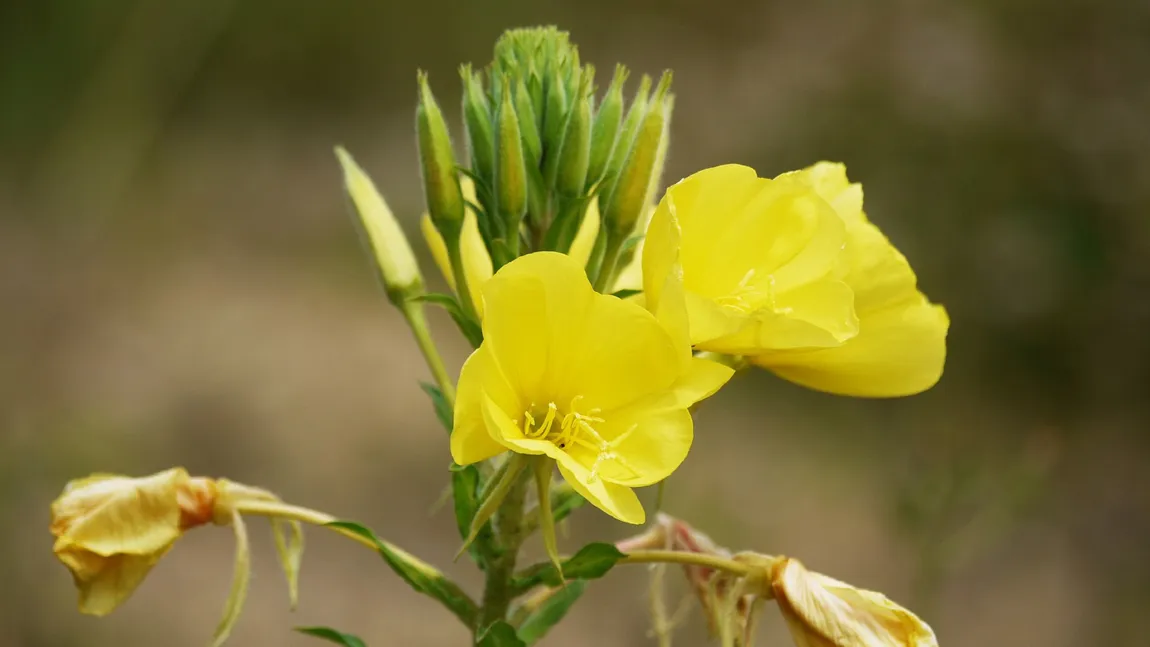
(541, 146)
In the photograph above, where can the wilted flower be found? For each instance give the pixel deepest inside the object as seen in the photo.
(594, 382)
(791, 274)
(824, 612)
(111, 530)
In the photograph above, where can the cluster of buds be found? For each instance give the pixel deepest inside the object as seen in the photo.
(543, 152)
(819, 611)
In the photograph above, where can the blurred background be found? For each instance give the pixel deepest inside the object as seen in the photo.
(181, 285)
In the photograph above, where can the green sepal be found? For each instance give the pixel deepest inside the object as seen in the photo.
(494, 491)
(331, 635)
(623, 294)
(420, 575)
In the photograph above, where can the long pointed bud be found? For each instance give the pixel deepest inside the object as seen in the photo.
(511, 175)
(477, 119)
(606, 130)
(628, 199)
(437, 160)
(389, 246)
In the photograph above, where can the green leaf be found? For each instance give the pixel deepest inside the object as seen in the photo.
(591, 562)
(331, 635)
(442, 408)
(550, 612)
(499, 634)
(465, 493)
(467, 326)
(623, 294)
(422, 576)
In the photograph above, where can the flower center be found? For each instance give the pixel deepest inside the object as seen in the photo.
(746, 297)
(574, 430)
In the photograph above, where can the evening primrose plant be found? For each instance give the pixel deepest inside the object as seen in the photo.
(601, 313)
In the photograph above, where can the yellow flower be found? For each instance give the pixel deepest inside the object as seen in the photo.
(790, 273)
(597, 383)
(824, 612)
(477, 266)
(111, 530)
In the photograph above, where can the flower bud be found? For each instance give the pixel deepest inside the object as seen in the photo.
(111, 530)
(437, 161)
(528, 126)
(393, 255)
(606, 129)
(511, 178)
(554, 127)
(631, 192)
(627, 132)
(823, 612)
(477, 119)
(575, 153)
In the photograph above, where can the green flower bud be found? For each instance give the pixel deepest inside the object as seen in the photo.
(437, 161)
(629, 197)
(554, 126)
(606, 129)
(575, 153)
(627, 132)
(511, 175)
(477, 119)
(528, 125)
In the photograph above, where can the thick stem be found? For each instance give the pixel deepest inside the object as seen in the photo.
(413, 312)
(508, 525)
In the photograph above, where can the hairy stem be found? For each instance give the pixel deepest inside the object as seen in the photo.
(508, 525)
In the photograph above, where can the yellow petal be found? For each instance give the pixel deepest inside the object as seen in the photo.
(899, 351)
(477, 265)
(584, 242)
(823, 612)
(438, 248)
(900, 348)
(480, 378)
(616, 500)
(648, 444)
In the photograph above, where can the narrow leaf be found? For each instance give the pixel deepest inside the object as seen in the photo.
(422, 577)
(623, 294)
(442, 408)
(331, 635)
(499, 634)
(493, 496)
(543, 468)
(550, 612)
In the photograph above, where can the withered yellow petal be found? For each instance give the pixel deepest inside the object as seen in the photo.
(823, 612)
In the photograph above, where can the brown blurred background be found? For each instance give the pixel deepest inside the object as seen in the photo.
(180, 285)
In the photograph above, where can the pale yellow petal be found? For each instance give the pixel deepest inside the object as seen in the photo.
(120, 515)
(646, 446)
(114, 581)
(438, 248)
(584, 242)
(823, 611)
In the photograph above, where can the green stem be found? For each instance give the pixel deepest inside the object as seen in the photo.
(413, 312)
(462, 290)
(691, 559)
(508, 525)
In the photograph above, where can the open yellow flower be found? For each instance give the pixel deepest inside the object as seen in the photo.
(824, 612)
(791, 274)
(477, 266)
(597, 383)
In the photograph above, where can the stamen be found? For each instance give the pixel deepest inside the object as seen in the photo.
(578, 430)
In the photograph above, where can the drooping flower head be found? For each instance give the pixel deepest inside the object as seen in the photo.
(790, 273)
(597, 383)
